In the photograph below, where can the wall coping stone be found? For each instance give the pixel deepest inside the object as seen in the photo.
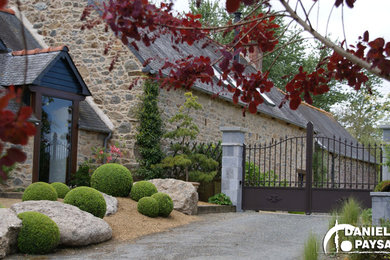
(380, 194)
(385, 127)
(233, 129)
(232, 144)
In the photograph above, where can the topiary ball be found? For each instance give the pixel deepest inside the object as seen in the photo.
(87, 199)
(148, 206)
(40, 191)
(60, 188)
(38, 234)
(165, 203)
(112, 179)
(142, 189)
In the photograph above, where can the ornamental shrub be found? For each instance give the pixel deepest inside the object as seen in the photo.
(142, 189)
(220, 199)
(112, 179)
(87, 199)
(148, 206)
(40, 191)
(38, 235)
(383, 186)
(60, 188)
(165, 203)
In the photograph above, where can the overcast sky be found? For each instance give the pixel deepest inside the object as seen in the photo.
(370, 15)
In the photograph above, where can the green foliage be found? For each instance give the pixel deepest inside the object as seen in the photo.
(142, 189)
(165, 203)
(38, 235)
(253, 176)
(319, 168)
(40, 191)
(149, 135)
(148, 206)
(383, 186)
(184, 163)
(7, 170)
(363, 112)
(82, 177)
(350, 212)
(220, 199)
(112, 179)
(1, 206)
(311, 248)
(60, 188)
(87, 199)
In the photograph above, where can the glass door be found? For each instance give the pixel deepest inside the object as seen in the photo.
(56, 126)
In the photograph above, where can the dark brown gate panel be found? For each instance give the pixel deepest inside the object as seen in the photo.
(327, 200)
(274, 198)
(309, 173)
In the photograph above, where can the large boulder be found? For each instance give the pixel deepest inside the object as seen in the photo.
(111, 204)
(10, 225)
(77, 227)
(183, 194)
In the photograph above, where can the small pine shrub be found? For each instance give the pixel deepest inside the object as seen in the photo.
(311, 248)
(40, 191)
(82, 176)
(112, 179)
(220, 199)
(148, 206)
(87, 199)
(383, 186)
(38, 235)
(142, 189)
(165, 203)
(60, 188)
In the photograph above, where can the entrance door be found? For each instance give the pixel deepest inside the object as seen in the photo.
(55, 145)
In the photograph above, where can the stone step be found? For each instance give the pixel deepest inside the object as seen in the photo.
(206, 209)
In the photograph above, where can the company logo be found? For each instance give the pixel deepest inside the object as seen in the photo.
(365, 239)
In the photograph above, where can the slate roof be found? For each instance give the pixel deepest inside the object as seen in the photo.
(12, 68)
(11, 34)
(90, 121)
(324, 123)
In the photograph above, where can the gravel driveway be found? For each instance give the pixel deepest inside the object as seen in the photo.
(248, 235)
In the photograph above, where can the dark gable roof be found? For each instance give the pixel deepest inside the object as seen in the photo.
(11, 33)
(42, 66)
(90, 121)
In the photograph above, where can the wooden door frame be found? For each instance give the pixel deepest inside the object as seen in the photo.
(36, 102)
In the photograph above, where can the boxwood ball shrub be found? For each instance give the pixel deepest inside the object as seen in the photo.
(40, 191)
(87, 199)
(60, 188)
(142, 189)
(148, 206)
(112, 179)
(38, 234)
(165, 203)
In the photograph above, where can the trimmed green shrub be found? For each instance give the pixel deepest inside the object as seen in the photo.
(142, 189)
(112, 179)
(383, 186)
(38, 235)
(60, 188)
(40, 191)
(87, 199)
(148, 206)
(220, 199)
(165, 203)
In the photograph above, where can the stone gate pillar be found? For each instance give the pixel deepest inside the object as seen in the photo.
(386, 139)
(233, 139)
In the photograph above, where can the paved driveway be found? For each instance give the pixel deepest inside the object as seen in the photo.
(248, 235)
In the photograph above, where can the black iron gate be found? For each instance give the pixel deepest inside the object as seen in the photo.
(309, 173)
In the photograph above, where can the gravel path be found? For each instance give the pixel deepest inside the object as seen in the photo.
(248, 235)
